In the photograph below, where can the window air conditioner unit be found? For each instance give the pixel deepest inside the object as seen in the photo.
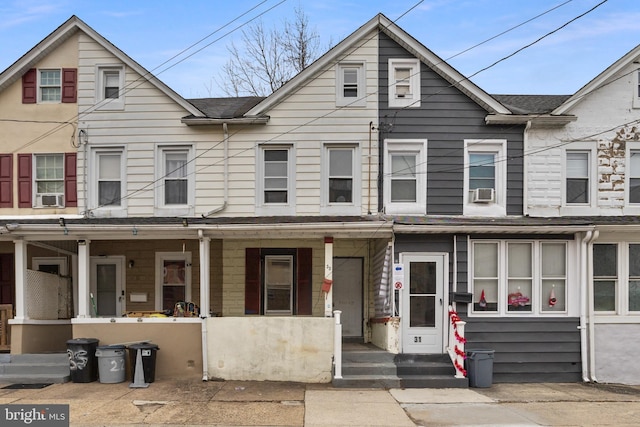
(483, 195)
(53, 200)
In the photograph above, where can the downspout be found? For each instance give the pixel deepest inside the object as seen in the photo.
(584, 306)
(225, 181)
(525, 169)
(204, 263)
(592, 350)
(369, 172)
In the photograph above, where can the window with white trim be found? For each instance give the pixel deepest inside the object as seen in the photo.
(350, 84)
(49, 180)
(531, 280)
(275, 179)
(341, 179)
(485, 177)
(616, 278)
(278, 284)
(405, 176)
(110, 87)
(636, 90)
(633, 184)
(175, 192)
(50, 85)
(108, 179)
(404, 83)
(578, 171)
(173, 279)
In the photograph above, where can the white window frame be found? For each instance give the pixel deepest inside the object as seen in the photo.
(621, 279)
(263, 208)
(497, 147)
(163, 208)
(580, 208)
(417, 147)
(337, 208)
(161, 257)
(636, 89)
(109, 103)
(42, 85)
(61, 262)
(267, 286)
(631, 208)
(414, 97)
(60, 196)
(360, 100)
(538, 297)
(94, 176)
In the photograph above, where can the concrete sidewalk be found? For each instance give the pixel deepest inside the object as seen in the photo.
(231, 403)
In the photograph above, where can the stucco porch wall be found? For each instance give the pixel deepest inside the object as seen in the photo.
(617, 349)
(385, 333)
(179, 342)
(270, 348)
(40, 337)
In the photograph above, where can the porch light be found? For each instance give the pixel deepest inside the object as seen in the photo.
(134, 231)
(62, 222)
(185, 222)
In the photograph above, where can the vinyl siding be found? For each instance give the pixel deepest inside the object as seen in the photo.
(446, 117)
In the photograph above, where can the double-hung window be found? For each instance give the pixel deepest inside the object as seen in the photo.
(578, 173)
(519, 277)
(616, 278)
(341, 179)
(350, 84)
(110, 87)
(50, 85)
(405, 177)
(404, 83)
(275, 179)
(634, 177)
(49, 180)
(485, 177)
(175, 192)
(108, 180)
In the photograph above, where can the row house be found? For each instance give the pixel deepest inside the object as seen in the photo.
(229, 231)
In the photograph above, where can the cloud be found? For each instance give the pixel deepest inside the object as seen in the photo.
(21, 12)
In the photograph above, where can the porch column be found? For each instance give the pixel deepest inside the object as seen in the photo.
(327, 283)
(21, 277)
(205, 251)
(84, 278)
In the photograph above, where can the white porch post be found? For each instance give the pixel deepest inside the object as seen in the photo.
(84, 278)
(205, 251)
(21, 277)
(328, 276)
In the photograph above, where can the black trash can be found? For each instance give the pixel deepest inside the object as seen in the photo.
(148, 352)
(480, 368)
(83, 364)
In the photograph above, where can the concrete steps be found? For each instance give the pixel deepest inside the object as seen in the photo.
(34, 368)
(366, 366)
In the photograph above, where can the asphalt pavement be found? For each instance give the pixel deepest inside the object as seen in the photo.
(190, 402)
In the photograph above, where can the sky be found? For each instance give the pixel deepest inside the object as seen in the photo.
(471, 35)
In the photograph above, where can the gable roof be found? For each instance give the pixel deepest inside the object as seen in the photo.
(384, 24)
(63, 33)
(600, 80)
(531, 104)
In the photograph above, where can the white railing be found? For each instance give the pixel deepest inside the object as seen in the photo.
(337, 346)
(456, 343)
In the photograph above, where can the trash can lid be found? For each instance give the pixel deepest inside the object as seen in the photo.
(144, 346)
(83, 341)
(112, 347)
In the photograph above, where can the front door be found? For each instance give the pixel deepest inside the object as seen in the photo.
(107, 290)
(7, 279)
(347, 294)
(423, 303)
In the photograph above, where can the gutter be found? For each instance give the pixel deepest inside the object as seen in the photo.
(202, 121)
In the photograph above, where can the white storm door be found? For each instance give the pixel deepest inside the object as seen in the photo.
(107, 289)
(423, 303)
(347, 294)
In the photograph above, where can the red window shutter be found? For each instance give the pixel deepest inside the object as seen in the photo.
(30, 87)
(24, 181)
(69, 79)
(304, 288)
(6, 181)
(70, 180)
(252, 282)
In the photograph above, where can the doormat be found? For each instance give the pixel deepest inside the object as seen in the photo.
(26, 386)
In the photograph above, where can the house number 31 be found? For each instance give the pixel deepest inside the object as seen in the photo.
(417, 339)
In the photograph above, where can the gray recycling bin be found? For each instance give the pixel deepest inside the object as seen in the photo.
(480, 368)
(111, 363)
(82, 359)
